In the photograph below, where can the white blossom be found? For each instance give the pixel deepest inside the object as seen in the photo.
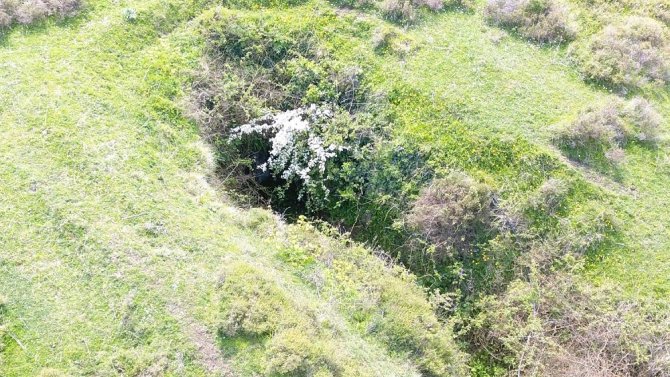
(287, 132)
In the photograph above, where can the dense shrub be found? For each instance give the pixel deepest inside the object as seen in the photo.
(29, 11)
(539, 20)
(602, 132)
(296, 352)
(633, 53)
(401, 11)
(598, 125)
(643, 120)
(560, 326)
(434, 5)
(430, 341)
(255, 4)
(256, 67)
(258, 72)
(437, 5)
(407, 11)
(452, 214)
(296, 152)
(253, 305)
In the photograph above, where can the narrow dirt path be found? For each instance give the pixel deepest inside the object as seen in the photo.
(209, 354)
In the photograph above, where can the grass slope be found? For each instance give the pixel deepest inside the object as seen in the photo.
(117, 253)
(500, 85)
(485, 101)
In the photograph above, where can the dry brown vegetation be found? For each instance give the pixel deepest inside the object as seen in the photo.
(546, 21)
(632, 53)
(452, 213)
(557, 325)
(608, 129)
(28, 11)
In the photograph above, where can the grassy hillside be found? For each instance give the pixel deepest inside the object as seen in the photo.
(119, 258)
(123, 253)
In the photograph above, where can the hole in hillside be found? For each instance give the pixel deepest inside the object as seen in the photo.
(299, 130)
(293, 126)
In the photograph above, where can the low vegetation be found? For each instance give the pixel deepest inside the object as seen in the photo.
(423, 224)
(28, 11)
(546, 21)
(599, 135)
(632, 53)
(557, 325)
(453, 214)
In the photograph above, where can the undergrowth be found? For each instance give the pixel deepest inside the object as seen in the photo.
(472, 242)
(414, 132)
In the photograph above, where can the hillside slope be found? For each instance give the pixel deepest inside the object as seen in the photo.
(125, 254)
(119, 258)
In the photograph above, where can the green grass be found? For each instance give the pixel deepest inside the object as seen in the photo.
(107, 217)
(472, 90)
(109, 220)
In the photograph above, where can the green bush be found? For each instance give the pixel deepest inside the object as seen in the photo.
(258, 71)
(389, 39)
(429, 341)
(254, 305)
(546, 21)
(383, 38)
(633, 53)
(269, 66)
(298, 352)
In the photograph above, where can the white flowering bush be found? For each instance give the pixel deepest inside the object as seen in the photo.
(297, 152)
